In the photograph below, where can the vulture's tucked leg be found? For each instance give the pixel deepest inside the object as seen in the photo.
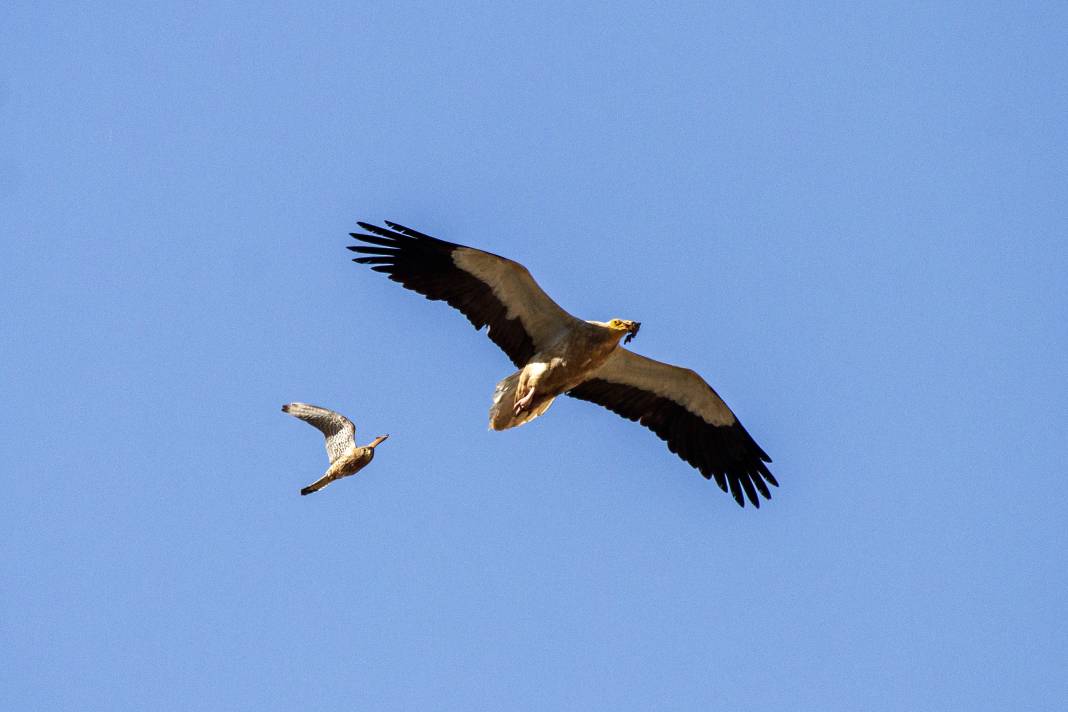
(523, 402)
(524, 390)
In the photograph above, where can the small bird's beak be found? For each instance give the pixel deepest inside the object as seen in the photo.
(632, 331)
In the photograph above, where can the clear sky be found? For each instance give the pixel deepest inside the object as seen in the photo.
(851, 219)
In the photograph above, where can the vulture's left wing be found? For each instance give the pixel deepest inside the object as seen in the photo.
(489, 289)
(677, 404)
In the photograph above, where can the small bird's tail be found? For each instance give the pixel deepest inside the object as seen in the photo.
(318, 484)
(502, 415)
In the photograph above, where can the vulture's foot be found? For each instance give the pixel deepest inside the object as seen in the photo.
(523, 402)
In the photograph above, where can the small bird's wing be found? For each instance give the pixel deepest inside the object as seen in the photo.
(318, 484)
(488, 289)
(677, 405)
(339, 431)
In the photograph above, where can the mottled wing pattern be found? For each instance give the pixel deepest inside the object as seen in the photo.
(339, 431)
(488, 289)
(683, 410)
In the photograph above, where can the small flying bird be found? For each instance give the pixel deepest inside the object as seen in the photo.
(345, 458)
(557, 353)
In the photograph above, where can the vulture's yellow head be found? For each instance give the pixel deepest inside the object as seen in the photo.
(625, 326)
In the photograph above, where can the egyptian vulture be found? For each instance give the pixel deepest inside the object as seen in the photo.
(345, 457)
(558, 353)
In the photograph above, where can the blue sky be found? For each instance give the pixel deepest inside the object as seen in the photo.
(849, 218)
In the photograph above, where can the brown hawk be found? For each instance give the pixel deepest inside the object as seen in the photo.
(345, 457)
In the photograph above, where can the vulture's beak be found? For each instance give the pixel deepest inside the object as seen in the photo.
(632, 331)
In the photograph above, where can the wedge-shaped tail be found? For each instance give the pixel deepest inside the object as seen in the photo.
(502, 414)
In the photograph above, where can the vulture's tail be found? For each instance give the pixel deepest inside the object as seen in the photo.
(502, 414)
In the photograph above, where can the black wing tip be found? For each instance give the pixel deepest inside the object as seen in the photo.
(743, 482)
(409, 232)
(380, 235)
(736, 491)
(744, 478)
(364, 237)
(374, 249)
(744, 487)
(393, 228)
(401, 238)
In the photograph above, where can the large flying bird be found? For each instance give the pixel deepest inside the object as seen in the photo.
(346, 458)
(558, 353)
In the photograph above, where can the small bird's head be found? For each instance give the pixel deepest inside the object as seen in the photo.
(378, 441)
(625, 326)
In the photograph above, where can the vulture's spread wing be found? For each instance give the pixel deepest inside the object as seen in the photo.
(339, 431)
(677, 404)
(490, 290)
